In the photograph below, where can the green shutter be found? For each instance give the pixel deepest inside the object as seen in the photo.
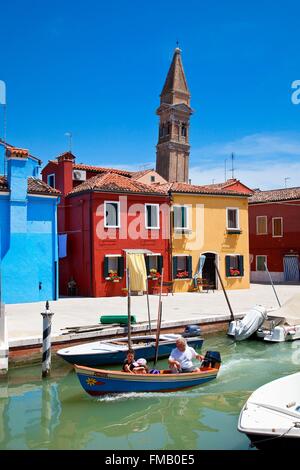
(160, 263)
(189, 266)
(174, 267)
(241, 265)
(147, 265)
(106, 266)
(227, 264)
(121, 266)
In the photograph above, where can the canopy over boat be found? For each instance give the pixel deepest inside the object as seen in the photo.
(242, 329)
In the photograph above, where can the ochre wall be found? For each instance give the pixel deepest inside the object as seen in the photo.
(208, 215)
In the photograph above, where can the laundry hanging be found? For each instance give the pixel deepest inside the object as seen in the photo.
(137, 271)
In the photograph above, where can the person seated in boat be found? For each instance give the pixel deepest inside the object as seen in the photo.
(180, 359)
(140, 366)
(128, 364)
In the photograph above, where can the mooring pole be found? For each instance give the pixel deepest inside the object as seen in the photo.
(148, 306)
(129, 310)
(225, 293)
(272, 284)
(3, 336)
(47, 319)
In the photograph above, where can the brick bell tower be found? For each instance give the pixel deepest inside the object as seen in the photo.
(173, 149)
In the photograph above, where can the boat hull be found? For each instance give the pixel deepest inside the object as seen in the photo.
(117, 356)
(98, 382)
(271, 442)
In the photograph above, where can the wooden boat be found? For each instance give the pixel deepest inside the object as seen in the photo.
(114, 351)
(271, 416)
(100, 382)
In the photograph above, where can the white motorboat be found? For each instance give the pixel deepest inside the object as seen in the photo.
(271, 416)
(284, 324)
(243, 329)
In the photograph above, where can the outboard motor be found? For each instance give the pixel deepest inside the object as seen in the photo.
(211, 359)
(191, 330)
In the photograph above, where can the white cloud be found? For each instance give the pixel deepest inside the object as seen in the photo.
(261, 161)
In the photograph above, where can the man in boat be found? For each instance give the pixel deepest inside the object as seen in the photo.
(180, 359)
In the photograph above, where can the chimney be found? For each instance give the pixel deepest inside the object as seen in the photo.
(190, 181)
(65, 172)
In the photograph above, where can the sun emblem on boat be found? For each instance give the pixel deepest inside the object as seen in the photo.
(90, 381)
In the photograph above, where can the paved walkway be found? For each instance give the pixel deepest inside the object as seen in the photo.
(25, 320)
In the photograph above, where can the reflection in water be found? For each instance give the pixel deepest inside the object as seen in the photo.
(56, 414)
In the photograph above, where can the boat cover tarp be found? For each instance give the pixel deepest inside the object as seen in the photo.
(290, 310)
(250, 323)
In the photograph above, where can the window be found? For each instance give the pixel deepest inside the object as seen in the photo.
(261, 225)
(51, 180)
(182, 267)
(152, 178)
(180, 217)
(233, 218)
(234, 265)
(111, 214)
(277, 223)
(154, 264)
(113, 267)
(183, 130)
(152, 216)
(260, 263)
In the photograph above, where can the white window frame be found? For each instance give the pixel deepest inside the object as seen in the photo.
(187, 218)
(262, 217)
(266, 261)
(237, 218)
(119, 219)
(277, 236)
(146, 218)
(48, 176)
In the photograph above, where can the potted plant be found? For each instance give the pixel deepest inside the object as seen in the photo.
(113, 276)
(234, 272)
(182, 274)
(154, 274)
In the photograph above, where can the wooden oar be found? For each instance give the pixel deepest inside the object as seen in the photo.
(148, 307)
(158, 318)
(266, 267)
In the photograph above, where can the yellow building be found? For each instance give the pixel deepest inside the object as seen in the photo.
(209, 227)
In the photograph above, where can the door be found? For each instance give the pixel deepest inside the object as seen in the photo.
(291, 268)
(209, 269)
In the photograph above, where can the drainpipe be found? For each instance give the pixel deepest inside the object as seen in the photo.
(91, 246)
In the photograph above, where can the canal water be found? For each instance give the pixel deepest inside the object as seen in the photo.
(58, 414)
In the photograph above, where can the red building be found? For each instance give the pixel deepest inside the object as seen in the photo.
(105, 214)
(274, 229)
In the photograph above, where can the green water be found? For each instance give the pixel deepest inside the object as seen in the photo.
(58, 414)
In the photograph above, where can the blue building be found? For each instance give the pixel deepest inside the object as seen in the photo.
(28, 230)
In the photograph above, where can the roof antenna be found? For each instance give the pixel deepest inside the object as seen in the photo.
(285, 180)
(232, 168)
(69, 134)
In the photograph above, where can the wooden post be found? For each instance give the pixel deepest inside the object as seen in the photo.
(227, 300)
(159, 317)
(129, 310)
(272, 284)
(148, 306)
(47, 320)
(3, 335)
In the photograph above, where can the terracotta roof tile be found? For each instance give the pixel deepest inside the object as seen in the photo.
(3, 184)
(118, 183)
(275, 195)
(34, 186)
(138, 174)
(18, 152)
(208, 189)
(37, 186)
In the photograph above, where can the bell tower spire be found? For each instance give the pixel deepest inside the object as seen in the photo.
(173, 149)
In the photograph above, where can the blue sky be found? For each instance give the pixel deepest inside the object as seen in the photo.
(97, 68)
